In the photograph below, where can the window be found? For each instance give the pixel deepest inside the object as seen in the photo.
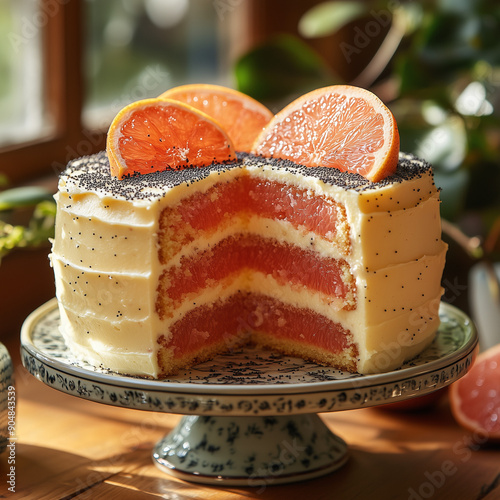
(47, 119)
(22, 114)
(139, 49)
(70, 65)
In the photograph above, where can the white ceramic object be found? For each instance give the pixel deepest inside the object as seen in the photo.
(250, 451)
(484, 299)
(257, 393)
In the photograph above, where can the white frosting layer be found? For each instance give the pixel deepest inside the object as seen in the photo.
(105, 259)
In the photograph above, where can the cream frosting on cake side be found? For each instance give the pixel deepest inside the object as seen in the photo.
(109, 265)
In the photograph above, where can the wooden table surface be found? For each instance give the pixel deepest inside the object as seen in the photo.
(69, 448)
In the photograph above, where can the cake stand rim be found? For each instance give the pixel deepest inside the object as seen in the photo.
(238, 390)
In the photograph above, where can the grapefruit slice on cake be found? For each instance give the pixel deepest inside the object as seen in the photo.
(341, 126)
(153, 135)
(241, 116)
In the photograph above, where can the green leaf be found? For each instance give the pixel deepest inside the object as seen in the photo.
(4, 182)
(454, 42)
(432, 132)
(23, 197)
(440, 137)
(445, 146)
(282, 68)
(409, 16)
(39, 230)
(45, 209)
(10, 238)
(462, 7)
(328, 17)
(453, 192)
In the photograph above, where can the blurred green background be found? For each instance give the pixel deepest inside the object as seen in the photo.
(437, 66)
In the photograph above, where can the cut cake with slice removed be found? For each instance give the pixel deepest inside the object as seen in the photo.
(161, 271)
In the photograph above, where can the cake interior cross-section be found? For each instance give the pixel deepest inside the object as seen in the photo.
(164, 270)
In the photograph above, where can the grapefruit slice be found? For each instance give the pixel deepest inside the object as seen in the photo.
(242, 117)
(153, 135)
(341, 126)
(475, 398)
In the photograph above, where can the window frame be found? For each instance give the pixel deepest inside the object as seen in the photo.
(63, 82)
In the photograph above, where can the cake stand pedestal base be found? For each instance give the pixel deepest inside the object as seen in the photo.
(250, 451)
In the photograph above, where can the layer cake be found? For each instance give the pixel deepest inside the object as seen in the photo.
(157, 272)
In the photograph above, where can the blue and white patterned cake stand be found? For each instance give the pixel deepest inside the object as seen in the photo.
(251, 416)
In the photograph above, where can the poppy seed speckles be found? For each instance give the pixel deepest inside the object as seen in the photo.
(92, 174)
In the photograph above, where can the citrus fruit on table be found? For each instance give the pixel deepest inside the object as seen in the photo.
(475, 398)
(341, 126)
(159, 134)
(241, 116)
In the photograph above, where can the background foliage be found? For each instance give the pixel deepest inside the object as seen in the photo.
(437, 67)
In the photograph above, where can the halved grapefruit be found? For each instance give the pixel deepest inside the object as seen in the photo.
(475, 398)
(159, 134)
(341, 126)
(241, 116)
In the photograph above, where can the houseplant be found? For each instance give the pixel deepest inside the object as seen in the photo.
(27, 217)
